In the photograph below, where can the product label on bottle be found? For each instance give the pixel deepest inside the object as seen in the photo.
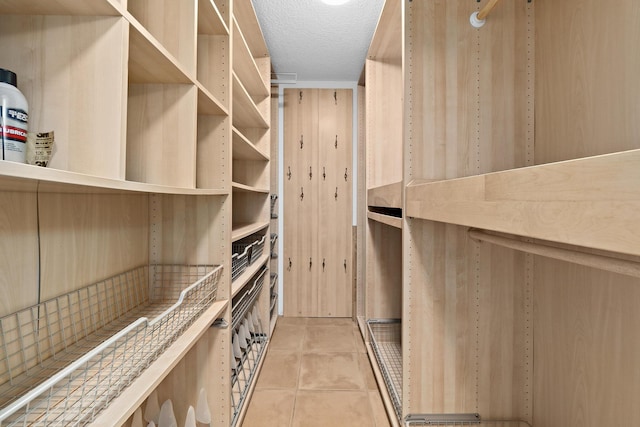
(18, 115)
(13, 133)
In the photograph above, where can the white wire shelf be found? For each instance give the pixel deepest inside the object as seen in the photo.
(386, 343)
(62, 361)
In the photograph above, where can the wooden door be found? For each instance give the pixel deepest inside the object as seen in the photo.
(335, 242)
(317, 198)
(300, 203)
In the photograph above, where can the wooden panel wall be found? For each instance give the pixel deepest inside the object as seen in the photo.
(384, 271)
(384, 122)
(19, 256)
(586, 346)
(181, 230)
(587, 87)
(87, 238)
(468, 89)
(587, 63)
(467, 341)
(466, 97)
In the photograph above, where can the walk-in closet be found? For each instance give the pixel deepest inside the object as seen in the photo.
(311, 213)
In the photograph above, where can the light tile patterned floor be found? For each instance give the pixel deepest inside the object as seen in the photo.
(316, 373)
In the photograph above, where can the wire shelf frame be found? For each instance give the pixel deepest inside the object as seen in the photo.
(62, 361)
(254, 244)
(386, 337)
(432, 420)
(245, 361)
(239, 262)
(243, 302)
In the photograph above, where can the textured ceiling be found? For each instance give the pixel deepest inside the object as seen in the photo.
(318, 42)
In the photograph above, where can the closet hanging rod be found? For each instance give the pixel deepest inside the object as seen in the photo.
(602, 262)
(477, 19)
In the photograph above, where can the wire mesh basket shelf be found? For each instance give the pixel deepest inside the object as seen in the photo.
(248, 343)
(254, 244)
(62, 361)
(239, 262)
(258, 248)
(274, 280)
(456, 420)
(244, 300)
(386, 344)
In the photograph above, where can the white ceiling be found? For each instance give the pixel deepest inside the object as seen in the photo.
(317, 41)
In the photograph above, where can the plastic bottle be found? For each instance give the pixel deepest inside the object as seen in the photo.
(14, 118)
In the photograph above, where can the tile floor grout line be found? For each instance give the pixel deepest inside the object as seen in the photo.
(354, 351)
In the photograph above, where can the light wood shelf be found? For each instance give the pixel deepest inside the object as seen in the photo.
(248, 189)
(245, 111)
(173, 23)
(242, 280)
(385, 219)
(121, 408)
(387, 38)
(386, 196)
(209, 104)
(149, 61)
(568, 202)
(244, 230)
(243, 149)
(22, 177)
(245, 66)
(245, 15)
(61, 7)
(210, 20)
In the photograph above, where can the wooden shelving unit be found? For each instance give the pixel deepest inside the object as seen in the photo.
(115, 81)
(251, 141)
(380, 294)
(274, 209)
(518, 196)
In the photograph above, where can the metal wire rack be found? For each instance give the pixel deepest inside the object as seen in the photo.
(244, 301)
(254, 244)
(62, 361)
(248, 342)
(258, 248)
(447, 420)
(386, 343)
(239, 263)
(273, 294)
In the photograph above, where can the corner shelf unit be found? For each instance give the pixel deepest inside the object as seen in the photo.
(121, 190)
